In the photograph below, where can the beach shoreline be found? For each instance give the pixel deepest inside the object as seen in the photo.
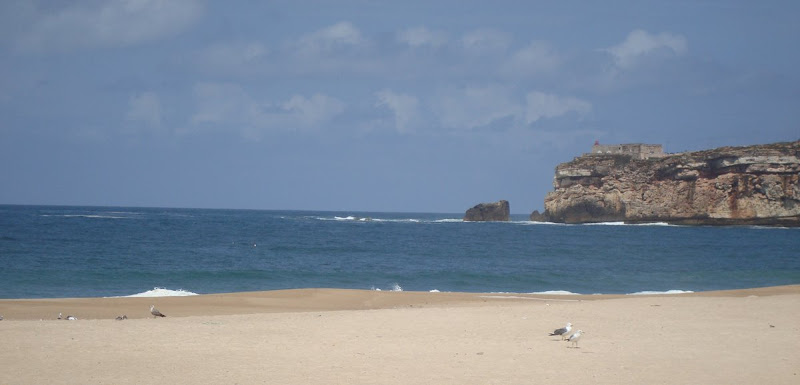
(380, 337)
(312, 299)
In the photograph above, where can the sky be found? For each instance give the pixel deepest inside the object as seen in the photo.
(356, 105)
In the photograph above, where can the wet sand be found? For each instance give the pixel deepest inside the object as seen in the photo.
(369, 337)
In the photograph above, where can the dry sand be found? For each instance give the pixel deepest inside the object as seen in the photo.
(325, 336)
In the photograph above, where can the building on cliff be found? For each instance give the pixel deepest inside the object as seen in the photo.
(635, 150)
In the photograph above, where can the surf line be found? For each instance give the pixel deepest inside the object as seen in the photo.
(531, 298)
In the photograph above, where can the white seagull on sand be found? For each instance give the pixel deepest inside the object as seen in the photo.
(563, 332)
(155, 312)
(575, 337)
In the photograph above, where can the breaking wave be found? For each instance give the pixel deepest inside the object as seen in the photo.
(395, 287)
(162, 292)
(662, 292)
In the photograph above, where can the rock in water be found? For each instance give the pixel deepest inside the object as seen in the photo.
(536, 216)
(489, 212)
(752, 185)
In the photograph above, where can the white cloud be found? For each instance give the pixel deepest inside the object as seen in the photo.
(233, 55)
(312, 111)
(420, 36)
(541, 105)
(640, 43)
(228, 105)
(535, 58)
(145, 108)
(565, 139)
(476, 106)
(113, 23)
(483, 41)
(339, 35)
(220, 103)
(405, 108)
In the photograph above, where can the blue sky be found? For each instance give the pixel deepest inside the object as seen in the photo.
(414, 106)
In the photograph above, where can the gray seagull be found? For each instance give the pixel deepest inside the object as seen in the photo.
(563, 332)
(155, 312)
(575, 337)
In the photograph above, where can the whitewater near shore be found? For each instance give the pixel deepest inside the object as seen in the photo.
(372, 337)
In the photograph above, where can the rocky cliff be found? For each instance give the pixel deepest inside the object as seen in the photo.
(486, 212)
(758, 185)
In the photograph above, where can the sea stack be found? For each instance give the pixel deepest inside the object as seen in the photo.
(489, 212)
(536, 216)
(751, 185)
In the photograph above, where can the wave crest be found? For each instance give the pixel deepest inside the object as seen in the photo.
(162, 292)
(662, 292)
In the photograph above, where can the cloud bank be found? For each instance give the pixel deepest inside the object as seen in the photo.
(145, 108)
(224, 106)
(640, 43)
(405, 108)
(113, 23)
(421, 36)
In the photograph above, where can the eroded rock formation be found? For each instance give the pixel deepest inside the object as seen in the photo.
(536, 216)
(757, 185)
(486, 212)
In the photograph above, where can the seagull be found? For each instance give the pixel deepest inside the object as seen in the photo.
(155, 312)
(121, 317)
(575, 337)
(1, 318)
(563, 332)
(71, 318)
(59, 316)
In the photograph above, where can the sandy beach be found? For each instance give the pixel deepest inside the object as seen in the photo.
(328, 336)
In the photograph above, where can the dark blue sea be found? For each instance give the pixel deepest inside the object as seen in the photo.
(55, 251)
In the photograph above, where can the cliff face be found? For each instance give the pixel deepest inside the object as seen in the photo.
(724, 186)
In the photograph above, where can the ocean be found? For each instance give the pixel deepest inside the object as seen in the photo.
(59, 251)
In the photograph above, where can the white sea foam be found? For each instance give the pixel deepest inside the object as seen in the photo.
(773, 227)
(630, 224)
(395, 287)
(351, 218)
(408, 220)
(493, 296)
(597, 224)
(85, 216)
(434, 291)
(661, 292)
(538, 223)
(555, 292)
(162, 292)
